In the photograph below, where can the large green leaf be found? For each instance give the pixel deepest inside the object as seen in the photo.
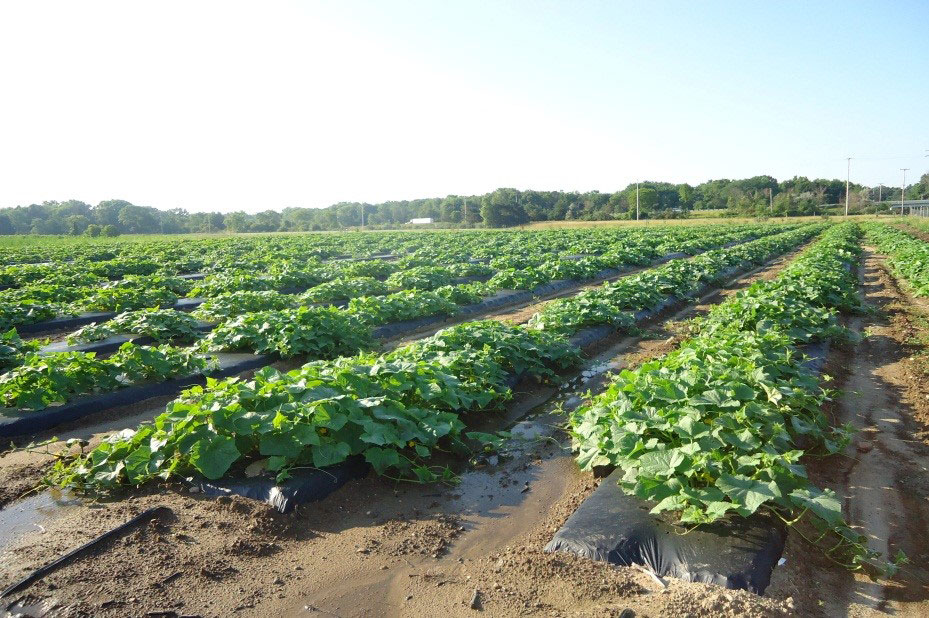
(747, 494)
(213, 456)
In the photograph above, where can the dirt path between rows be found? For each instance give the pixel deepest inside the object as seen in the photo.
(884, 476)
(374, 548)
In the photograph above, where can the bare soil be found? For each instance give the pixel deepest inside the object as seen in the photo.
(371, 549)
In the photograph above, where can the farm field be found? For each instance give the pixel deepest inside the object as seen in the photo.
(466, 422)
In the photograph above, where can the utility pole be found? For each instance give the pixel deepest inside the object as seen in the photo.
(880, 188)
(637, 201)
(903, 188)
(362, 216)
(848, 176)
(770, 201)
(922, 209)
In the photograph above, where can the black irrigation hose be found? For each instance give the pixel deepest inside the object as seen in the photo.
(74, 553)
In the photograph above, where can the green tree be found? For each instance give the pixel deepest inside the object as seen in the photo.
(471, 210)
(293, 218)
(107, 211)
(619, 206)
(238, 222)
(47, 226)
(77, 224)
(648, 202)
(450, 209)
(207, 222)
(502, 209)
(110, 231)
(594, 206)
(267, 221)
(784, 204)
(685, 195)
(174, 221)
(920, 190)
(348, 214)
(92, 230)
(138, 219)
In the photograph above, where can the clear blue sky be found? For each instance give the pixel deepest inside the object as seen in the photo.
(229, 105)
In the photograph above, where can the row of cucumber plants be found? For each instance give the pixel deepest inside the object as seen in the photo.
(328, 332)
(131, 255)
(614, 302)
(394, 409)
(41, 381)
(14, 350)
(907, 256)
(368, 299)
(719, 427)
(249, 331)
(55, 296)
(162, 325)
(199, 254)
(54, 290)
(279, 256)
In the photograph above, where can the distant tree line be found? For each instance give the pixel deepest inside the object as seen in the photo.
(758, 196)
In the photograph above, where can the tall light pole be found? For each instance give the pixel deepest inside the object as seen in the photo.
(637, 201)
(902, 188)
(880, 188)
(848, 175)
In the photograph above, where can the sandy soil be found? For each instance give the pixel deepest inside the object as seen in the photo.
(374, 548)
(884, 476)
